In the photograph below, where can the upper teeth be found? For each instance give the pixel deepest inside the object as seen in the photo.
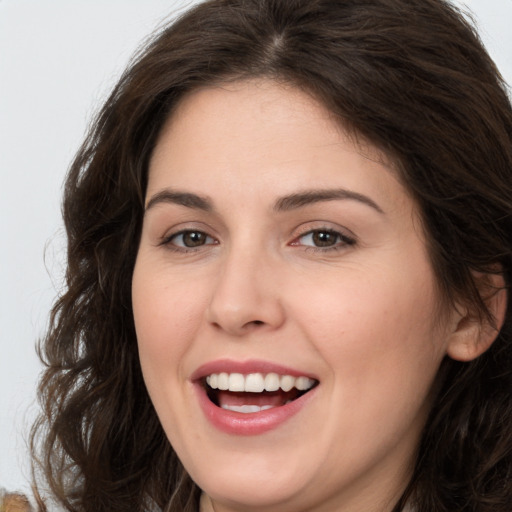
(257, 382)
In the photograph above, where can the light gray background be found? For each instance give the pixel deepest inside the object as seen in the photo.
(58, 61)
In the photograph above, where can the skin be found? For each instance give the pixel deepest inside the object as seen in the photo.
(360, 315)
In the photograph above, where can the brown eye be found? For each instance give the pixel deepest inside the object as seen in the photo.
(191, 239)
(194, 238)
(324, 239)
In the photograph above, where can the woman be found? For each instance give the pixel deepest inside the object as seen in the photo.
(289, 253)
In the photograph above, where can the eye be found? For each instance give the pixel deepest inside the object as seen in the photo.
(189, 239)
(324, 239)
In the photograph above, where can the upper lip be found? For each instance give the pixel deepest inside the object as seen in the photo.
(247, 367)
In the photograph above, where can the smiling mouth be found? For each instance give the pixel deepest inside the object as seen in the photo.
(255, 392)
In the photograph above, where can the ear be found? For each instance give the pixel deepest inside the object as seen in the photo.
(473, 334)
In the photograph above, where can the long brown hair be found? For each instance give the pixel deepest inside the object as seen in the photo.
(411, 77)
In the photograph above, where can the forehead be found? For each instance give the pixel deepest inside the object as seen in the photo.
(264, 100)
(264, 133)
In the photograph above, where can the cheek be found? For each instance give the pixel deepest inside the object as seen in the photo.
(378, 332)
(383, 360)
(166, 318)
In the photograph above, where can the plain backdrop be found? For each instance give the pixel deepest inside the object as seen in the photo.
(58, 61)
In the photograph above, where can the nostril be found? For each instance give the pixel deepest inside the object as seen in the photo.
(253, 324)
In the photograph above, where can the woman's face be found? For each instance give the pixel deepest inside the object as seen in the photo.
(285, 305)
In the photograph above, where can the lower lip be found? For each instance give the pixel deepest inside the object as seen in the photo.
(251, 424)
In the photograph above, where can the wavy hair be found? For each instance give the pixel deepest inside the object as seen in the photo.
(411, 77)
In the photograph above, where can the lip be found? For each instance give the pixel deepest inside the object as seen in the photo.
(236, 423)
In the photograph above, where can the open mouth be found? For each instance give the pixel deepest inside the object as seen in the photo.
(255, 392)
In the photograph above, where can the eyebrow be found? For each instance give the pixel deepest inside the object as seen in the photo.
(308, 197)
(186, 199)
(283, 204)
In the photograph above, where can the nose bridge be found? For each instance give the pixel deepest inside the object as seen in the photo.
(245, 295)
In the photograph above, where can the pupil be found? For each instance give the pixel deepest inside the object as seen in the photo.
(324, 238)
(194, 238)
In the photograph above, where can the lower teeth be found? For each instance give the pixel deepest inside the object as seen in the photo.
(246, 409)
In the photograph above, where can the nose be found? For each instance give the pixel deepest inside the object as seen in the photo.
(246, 295)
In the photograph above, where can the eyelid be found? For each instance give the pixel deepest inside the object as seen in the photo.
(188, 231)
(309, 227)
(167, 240)
(172, 227)
(347, 238)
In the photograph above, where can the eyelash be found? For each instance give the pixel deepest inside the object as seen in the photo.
(168, 241)
(342, 240)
